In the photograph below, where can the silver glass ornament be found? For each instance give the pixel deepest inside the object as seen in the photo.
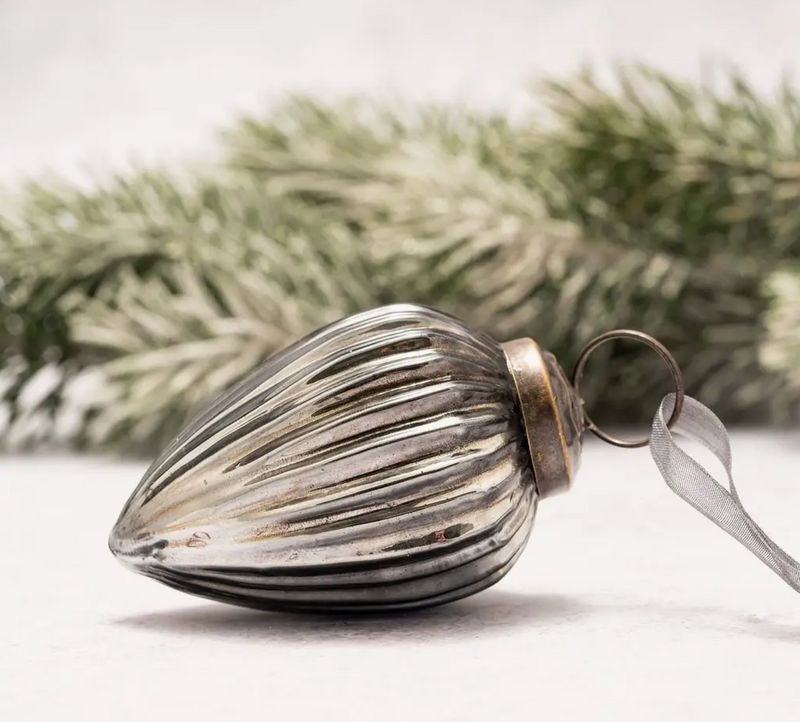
(393, 459)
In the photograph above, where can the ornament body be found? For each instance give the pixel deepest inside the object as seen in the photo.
(383, 462)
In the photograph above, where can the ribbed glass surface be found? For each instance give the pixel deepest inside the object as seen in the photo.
(377, 463)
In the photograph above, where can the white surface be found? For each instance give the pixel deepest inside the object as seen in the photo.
(626, 605)
(102, 81)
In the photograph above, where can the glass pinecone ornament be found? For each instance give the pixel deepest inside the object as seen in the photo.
(393, 459)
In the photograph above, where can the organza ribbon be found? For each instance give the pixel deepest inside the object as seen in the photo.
(689, 480)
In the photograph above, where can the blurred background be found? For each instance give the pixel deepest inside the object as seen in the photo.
(188, 187)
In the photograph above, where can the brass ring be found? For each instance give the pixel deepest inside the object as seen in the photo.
(661, 350)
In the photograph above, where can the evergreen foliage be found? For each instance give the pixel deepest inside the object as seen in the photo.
(657, 205)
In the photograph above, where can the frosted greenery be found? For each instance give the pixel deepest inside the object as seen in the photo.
(658, 205)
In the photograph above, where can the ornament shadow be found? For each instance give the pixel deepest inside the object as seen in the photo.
(768, 629)
(490, 613)
(494, 612)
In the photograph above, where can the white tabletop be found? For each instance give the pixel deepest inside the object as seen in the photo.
(626, 605)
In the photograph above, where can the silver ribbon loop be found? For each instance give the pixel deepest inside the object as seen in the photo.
(690, 481)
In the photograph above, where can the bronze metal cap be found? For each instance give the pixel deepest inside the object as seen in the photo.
(551, 414)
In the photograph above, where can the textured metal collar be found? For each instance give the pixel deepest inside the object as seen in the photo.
(553, 449)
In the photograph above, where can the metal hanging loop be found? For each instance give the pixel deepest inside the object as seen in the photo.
(661, 350)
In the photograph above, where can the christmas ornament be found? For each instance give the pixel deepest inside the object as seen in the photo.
(391, 460)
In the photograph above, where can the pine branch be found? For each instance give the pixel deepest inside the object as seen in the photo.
(781, 352)
(43, 403)
(669, 166)
(662, 206)
(501, 263)
(165, 344)
(68, 254)
(444, 202)
(343, 154)
(509, 269)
